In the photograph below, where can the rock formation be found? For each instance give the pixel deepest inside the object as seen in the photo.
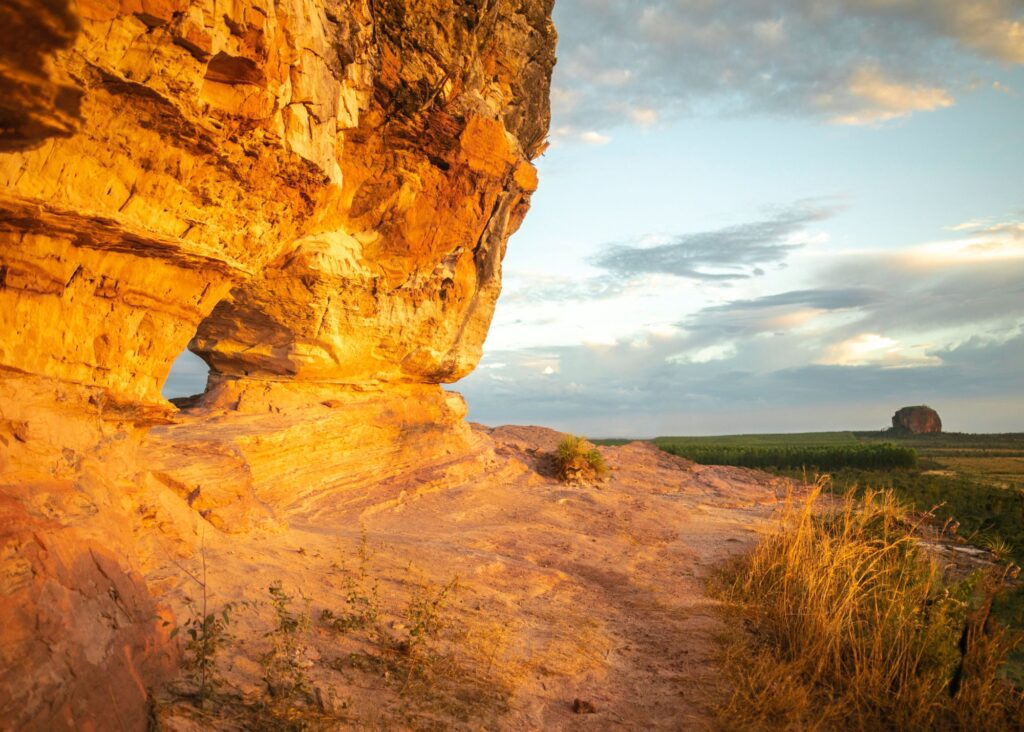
(919, 420)
(312, 195)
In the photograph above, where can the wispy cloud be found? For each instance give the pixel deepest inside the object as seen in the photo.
(552, 288)
(877, 350)
(837, 299)
(870, 97)
(731, 253)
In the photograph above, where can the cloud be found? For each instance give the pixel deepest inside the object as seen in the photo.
(838, 299)
(843, 61)
(715, 352)
(553, 288)
(869, 98)
(875, 349)
(992, 28)
(974, 280)
(643, 116)
(567, 133)
(977, 281)
(974, 283)
(1004, 89)
(790, 312)
(730, 253)
(722, 255)
(592, 137)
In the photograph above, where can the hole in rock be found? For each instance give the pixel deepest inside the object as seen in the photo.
(187, 378)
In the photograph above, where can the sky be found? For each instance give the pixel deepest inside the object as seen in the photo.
(769, 216)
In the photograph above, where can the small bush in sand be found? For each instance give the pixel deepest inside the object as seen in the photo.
(362, 595)
(578, 460)
(208, 633)
(283, 664)
(851, 625)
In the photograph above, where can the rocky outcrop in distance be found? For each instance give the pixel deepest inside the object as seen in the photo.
(920, 420)
(315, 197)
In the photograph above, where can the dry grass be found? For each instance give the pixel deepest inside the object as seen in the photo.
(852, 626)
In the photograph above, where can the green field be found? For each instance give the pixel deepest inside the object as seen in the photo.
(793, 439)
(796, 439)
(882, 456)
(975, 479)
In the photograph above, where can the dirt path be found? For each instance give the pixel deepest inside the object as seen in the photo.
(595, 594)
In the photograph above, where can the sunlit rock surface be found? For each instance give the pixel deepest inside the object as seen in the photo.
(315, 197)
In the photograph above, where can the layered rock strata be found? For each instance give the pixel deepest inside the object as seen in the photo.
(315, 197)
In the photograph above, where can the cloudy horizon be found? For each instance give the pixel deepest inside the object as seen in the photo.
(758, 217)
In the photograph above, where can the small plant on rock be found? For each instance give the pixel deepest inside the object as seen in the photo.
(362, 596)
(283, 665)
(207, 635)
(425, 620)
(578, 461)
(1000, 548)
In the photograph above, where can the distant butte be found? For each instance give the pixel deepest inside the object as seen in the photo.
(920, 420)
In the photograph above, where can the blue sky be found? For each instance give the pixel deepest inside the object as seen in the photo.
(768, 216)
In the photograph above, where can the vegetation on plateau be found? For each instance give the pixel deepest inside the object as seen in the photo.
(578, 459)
(973, 483)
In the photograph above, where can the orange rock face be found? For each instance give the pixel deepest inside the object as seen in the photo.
(320, 190)
(314, 196)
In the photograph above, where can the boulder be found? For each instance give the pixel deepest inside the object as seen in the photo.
(920, 420)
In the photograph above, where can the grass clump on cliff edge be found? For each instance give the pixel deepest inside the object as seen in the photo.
(579, 460)
(853, 626)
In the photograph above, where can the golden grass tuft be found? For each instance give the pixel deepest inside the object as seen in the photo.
(853, 626)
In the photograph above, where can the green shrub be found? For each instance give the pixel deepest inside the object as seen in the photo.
(283, 671)
(577, 459)
(207, 634)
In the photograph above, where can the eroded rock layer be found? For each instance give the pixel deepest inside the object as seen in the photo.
(315, 197)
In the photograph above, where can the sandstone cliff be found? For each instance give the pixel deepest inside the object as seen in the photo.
(315, 197)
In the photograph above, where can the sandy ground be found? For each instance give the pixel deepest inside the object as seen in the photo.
(564, 593)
